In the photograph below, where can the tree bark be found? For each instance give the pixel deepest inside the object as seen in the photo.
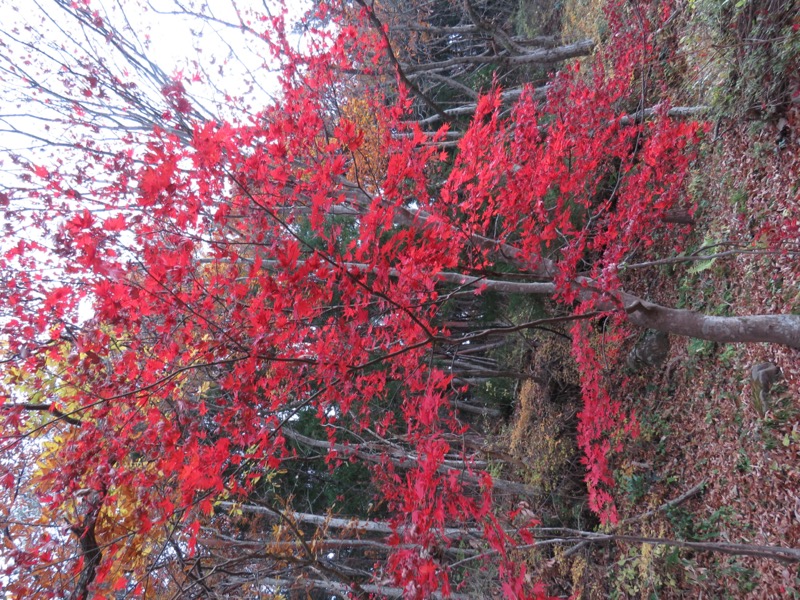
(484, 411)
(403, 460)
(775, 329)
(681, 217)
(355, 525)
(542, 56)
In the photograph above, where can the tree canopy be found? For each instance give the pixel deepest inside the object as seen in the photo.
(236, 337)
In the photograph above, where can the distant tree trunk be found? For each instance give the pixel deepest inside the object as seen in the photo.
(484, 411)
(542, 56)
(681, 217)
(406, 460)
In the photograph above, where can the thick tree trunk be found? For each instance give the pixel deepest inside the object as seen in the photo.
(775, 329)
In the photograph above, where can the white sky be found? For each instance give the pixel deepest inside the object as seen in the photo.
(234, 74)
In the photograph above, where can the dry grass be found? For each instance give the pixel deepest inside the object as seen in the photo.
(583, 19)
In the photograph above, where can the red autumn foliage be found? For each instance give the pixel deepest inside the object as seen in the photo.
(226, 300)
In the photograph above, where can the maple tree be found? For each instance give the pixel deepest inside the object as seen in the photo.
(251, 269)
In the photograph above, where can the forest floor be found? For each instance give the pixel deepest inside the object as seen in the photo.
(702, 429)
(700, 420)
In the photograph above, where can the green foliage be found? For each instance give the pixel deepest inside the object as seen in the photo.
(654, 429)
(726, 357)
(739, 198)
(750, 49)
(782, 408)
(482, 78)
(701, 265)
(646, 571)
(542, 434)
(316, 485)
(687, 526)
(700, 348)
(743, 462)
(584, 19)
(721, 574)
(498, 391)
(637, 485)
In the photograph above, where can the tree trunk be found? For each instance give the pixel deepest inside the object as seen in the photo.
(681, 217)
(775, 329)
(484, 411)
(403, 460)
(544, 56)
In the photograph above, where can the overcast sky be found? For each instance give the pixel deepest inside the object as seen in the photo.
(215, 59)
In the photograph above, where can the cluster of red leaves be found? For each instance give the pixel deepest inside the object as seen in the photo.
(538, 173)
(219, 285)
